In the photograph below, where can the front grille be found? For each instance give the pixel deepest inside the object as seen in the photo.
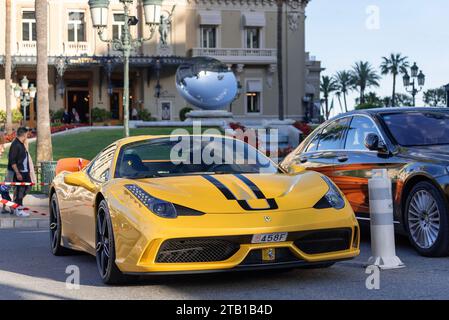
(196, 250)
(281, 255)
(325, 241)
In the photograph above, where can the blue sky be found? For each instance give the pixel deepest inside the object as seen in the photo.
(341, 32)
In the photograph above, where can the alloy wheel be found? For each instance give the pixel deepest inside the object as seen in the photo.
(55, 224)
(103, 243)
(424, 219)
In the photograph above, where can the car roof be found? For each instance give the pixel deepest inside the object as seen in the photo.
(377, 111)
(128, 140)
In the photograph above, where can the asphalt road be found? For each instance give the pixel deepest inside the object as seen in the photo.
(29, 271)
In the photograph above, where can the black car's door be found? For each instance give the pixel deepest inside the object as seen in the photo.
(320, 152)
(354, 164)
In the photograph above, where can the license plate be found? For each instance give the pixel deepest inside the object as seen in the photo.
(270, 237)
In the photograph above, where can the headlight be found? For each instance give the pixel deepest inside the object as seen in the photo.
(159, 207)
(333, 197)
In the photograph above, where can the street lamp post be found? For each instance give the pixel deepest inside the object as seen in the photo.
(410, 84)
(99, 13)
(26, 93)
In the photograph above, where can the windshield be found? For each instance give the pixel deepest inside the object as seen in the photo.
(419, 128)
(188, 155)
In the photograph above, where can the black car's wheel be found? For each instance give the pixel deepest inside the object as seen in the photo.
(427, 221)
(56, 228)
(105, 247)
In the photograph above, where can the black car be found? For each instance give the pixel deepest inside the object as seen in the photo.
(412, 143)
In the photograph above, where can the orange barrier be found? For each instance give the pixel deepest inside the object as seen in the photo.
(71, 165)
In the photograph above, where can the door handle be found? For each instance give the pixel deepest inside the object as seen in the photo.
(342, 158)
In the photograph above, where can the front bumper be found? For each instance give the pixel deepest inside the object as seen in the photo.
(139, 239)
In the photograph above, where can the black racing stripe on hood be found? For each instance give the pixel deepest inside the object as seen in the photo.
(220, 186)
(254, 188)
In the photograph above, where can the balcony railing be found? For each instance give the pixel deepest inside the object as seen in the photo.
(238, 55)
(76, 48)
(26, 48)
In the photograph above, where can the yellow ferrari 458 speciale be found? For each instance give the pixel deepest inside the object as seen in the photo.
(158, 205)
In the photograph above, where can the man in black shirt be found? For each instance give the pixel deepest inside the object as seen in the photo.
(19, 165)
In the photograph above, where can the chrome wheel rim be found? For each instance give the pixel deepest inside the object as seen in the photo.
(424, 219)
(103, 243)
(54, 224)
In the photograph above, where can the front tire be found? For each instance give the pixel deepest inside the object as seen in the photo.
(427, 220)
(105, 247)
(56, 229)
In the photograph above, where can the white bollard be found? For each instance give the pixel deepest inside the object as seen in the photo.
(382, 228)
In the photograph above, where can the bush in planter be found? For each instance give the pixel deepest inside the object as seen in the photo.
(183, 113)
(16, 116)
(145, 115)
(100, 115)
(2, 116)
(56, 115)
(305, 128)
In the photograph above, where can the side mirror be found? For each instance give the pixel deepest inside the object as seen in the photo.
(373, 143)
(79, 179)
(295, 168)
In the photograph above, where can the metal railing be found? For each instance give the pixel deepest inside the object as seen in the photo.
(238, 54)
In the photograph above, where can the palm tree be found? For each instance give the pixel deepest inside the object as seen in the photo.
(280, 7)
(364, 76)
(44, 147)
(8, 67)
(343, 80)
(395, 64)
(338, 94)
(328, 85)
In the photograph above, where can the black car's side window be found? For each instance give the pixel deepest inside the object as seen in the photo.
(358, 130)
(331, 138)
(99, 170)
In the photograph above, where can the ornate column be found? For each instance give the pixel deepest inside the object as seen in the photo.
(294, 57)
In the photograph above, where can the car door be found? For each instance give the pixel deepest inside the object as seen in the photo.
(354, 164)
(83, 216)
(319, 153)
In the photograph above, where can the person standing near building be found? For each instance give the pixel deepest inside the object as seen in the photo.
(19, 167)
(134, 114)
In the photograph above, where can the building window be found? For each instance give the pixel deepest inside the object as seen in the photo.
(254, 96)
(253, 102)
(252, 38)
(76, 27)
(28, 26)
(117, 25)
(209, 36)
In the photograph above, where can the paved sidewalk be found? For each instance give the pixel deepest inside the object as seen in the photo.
(37, 207)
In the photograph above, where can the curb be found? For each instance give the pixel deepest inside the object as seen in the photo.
(24, 223)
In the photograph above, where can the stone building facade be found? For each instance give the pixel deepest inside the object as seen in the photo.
(85, 73)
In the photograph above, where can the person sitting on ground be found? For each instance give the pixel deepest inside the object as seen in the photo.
(19, 166)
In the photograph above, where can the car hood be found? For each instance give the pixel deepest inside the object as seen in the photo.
(438, 153)
(236, 193)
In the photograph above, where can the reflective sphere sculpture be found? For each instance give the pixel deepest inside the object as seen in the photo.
(206, 83)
